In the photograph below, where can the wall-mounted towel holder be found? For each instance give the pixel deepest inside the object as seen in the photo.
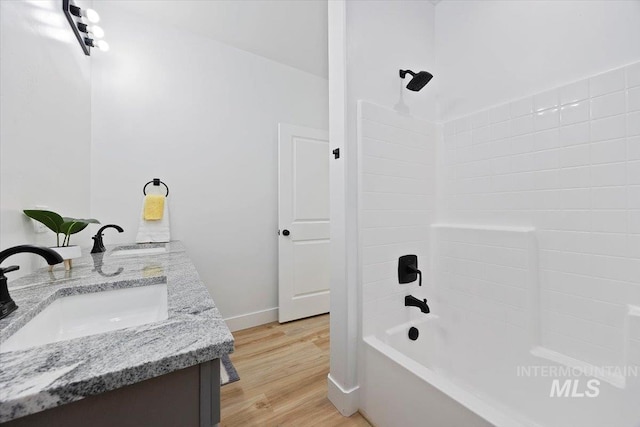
(156, 182)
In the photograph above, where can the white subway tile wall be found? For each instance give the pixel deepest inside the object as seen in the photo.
(565, 161)
(484, 279)
(397, 188)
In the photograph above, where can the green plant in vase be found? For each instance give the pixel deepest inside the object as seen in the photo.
(62, 226)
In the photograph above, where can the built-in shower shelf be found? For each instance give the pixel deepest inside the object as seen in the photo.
(607, 375)
(483, 227)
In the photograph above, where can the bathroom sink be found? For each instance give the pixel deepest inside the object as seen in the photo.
(77, 316)
(141, 249)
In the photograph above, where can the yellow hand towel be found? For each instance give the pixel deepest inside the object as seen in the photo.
(153, 207)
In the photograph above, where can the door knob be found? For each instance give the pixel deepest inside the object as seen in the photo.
(285, 232)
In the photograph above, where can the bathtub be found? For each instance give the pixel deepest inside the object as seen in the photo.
(431, 382)
(499, 305)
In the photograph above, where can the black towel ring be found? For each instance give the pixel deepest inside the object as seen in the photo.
(155, 182)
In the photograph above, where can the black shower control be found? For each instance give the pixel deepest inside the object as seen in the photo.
(408, 269)
(413, 333)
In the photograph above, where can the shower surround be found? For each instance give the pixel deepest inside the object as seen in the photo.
(526, 221)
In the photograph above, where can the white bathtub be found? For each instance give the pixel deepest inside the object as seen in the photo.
(431, 382)
(498, 303)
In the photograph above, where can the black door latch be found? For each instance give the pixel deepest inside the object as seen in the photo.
(336, 153)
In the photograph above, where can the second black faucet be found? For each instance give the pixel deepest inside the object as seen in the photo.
(98, 245)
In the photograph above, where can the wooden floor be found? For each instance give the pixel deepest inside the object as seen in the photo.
(283, 377)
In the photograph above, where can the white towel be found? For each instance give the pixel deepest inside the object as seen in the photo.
(154, 231)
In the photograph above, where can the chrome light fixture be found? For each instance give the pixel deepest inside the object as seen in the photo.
(88, 34)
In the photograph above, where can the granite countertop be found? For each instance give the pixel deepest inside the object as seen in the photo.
(35, 379)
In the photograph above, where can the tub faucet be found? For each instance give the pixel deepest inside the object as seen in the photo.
(411, 301)
(7, 305)
(98, 245)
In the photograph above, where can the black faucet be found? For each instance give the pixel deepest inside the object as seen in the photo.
(7, 305)
(411, 301)
(98, 245)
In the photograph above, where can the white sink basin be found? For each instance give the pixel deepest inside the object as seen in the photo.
(142, 249)
(88, 314)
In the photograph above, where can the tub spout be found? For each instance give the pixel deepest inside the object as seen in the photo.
(411, 301)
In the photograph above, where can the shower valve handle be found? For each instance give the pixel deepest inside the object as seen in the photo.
(408, 270)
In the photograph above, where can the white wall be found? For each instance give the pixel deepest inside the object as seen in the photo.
(490, 52)
(382, 38)
(559, 153)
(45, 123)
(571, 169)
(291, 32)
(203, 117)
(397, 206)
(369, 43)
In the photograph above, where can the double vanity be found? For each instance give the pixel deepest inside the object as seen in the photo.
(128, 337)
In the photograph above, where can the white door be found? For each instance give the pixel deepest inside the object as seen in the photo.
(303, 190)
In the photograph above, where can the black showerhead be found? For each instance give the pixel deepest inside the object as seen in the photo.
(418, 81)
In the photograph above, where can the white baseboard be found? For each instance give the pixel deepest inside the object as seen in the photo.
(345, 401)
(249, 320)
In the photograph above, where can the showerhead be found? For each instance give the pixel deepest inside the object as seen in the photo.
(418, 81)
